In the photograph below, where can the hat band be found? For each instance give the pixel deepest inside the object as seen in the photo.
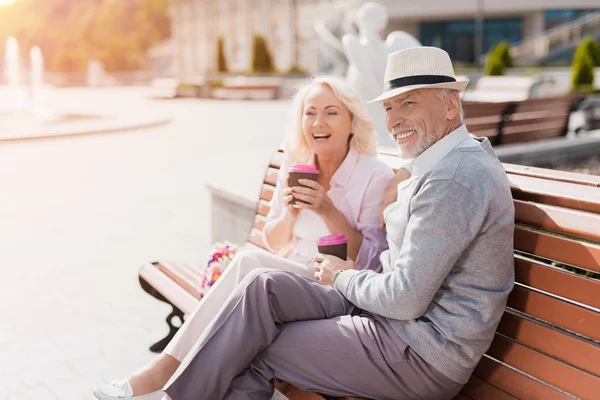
(417, 80)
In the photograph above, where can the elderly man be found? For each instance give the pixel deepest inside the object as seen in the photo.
(418, 329)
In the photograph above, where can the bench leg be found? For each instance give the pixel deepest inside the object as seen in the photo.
(159, 346)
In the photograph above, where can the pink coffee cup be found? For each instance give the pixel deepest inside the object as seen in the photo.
(302, 171)
(335, 245)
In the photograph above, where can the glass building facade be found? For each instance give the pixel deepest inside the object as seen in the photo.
(458, 37)
(557, 17)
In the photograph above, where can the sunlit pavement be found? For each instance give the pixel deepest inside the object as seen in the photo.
(79, 215)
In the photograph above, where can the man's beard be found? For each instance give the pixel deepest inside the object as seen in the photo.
(424, 141)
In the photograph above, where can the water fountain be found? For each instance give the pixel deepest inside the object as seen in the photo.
(37, 90)
(14, 98)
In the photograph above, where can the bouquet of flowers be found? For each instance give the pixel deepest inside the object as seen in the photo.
(221, 256)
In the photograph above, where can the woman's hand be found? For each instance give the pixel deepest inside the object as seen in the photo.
(327, 266)
(289, 208)
(313, 197)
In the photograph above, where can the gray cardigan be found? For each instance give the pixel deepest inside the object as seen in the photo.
(449, 267)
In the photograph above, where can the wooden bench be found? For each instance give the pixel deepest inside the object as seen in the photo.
(540, 118)
(502, 88)
(547, 345)
(521, 121)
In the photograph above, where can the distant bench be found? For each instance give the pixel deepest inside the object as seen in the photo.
(521, 121)
(547, 345)
(502, 88)
(256, 88)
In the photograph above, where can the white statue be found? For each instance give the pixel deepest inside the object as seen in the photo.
(367, 55)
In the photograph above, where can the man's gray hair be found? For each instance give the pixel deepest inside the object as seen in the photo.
(443, 94)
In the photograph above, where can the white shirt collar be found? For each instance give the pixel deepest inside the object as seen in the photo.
(425, 161)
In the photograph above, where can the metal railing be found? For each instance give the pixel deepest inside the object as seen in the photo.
(560, 36)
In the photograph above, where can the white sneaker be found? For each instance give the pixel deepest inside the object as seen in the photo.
(121, 389)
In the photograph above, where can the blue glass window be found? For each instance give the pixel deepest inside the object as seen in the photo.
(557, 17)
(458, 37)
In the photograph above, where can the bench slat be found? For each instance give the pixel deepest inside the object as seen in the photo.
(168, 288)
(515, 383)
(182, 277)
(547, 369)
(555, 311)
(262, 208)
(271, 176)
(478, 389)
(277, 160)
(560, 220)
(570, 349)
(259, 222)
(557, 281)
(562, 194)
(553, 175)
(528, 133)
(536, 122)
(483, 123)
(267, 192)
(556, 248)
(541, 103)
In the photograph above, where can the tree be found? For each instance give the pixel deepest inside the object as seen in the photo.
(118, 32)
(221, 61)
(261, 57)
(591, 47)
(499, 59)
(587, 56)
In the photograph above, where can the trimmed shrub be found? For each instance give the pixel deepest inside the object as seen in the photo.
(587, 56)
(591, 47)
(499, 59)
(262, 61)
(221, 60)
(582, 73)
(296, 70)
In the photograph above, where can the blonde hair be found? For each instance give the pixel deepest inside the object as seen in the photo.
(364, 138)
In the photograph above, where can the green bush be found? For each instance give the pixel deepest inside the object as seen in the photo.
(582, 73)
(262, 61)
(221, 60)
(499, 59)
(297, 70)
(587, 56)
(591, 47)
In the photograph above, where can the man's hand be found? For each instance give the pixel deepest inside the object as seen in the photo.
(327, 266)
(391, 193)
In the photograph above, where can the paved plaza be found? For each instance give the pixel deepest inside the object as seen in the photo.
(79, 215)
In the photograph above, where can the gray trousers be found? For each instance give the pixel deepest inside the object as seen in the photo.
(280, 326)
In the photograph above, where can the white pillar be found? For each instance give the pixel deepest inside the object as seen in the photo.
(291, 37)
(533, 24)
(194, 36)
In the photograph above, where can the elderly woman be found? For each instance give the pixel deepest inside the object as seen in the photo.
(329, 127)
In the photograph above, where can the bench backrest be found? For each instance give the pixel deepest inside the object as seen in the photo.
(521, 121)
(548, 342)
(539, 118)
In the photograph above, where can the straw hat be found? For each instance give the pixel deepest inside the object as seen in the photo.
(418, 68)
